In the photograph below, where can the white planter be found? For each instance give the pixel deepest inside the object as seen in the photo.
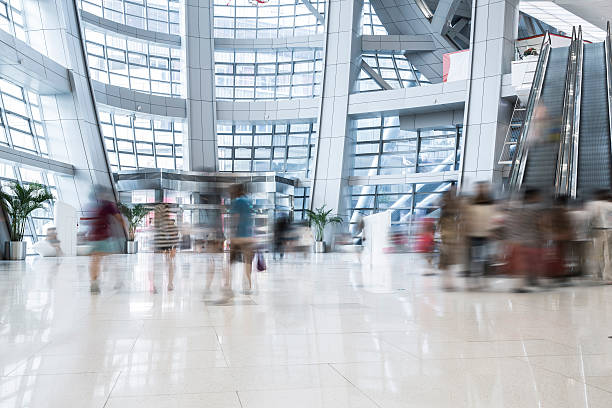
(15, 250)
(131, 247)
(319, 246)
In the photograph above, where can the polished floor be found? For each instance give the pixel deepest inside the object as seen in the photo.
(318, 332)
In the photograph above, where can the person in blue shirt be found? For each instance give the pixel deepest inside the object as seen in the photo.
(241, 240)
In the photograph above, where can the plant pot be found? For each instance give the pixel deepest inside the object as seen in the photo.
(15, 250)
(319, 247)
(131, 247)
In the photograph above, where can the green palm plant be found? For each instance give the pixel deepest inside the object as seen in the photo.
(20, 202)
(134, 215)
(319, 218)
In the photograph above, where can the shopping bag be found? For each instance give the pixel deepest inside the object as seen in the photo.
(261, 262)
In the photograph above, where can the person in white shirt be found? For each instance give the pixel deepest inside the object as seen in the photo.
(580, 219)
(479, 223)
(600, 211)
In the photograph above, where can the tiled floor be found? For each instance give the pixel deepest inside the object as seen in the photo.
(317, 332)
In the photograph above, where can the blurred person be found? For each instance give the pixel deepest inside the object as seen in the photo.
(50, 246)
(303, 238)
(558, 234)
(359, 235)
(479, 224)
(545, 128)
(213, 245)
(241, 234)
(281, 236)
(599, 211)
(103, 232)
(425, 243)
(165, 239)
(525, 239)
(579, 218)
(449, 227)
(54, 241)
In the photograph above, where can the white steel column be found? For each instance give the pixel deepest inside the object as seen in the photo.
(487, 115)
(200, 83)
(342, 64)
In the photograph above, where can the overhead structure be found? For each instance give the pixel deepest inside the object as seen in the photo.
(446, 21)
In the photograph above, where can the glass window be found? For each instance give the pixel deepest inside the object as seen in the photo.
(283, 148)
(395, 70)
(12, 18)
(371, 24)
(21, 122)
(406, 202)
(142, 142)
(154, 15)
(260, 80)
(382, 148)
(146, 67)
(285, 18)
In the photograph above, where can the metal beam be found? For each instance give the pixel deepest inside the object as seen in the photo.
(314, 11)
(397, 43)
(375, 76)
(24, 159)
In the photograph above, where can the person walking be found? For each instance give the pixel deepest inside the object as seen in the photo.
(166, 239)
(479, 225)
(241, 230)
(104, 222)
(449, 226)
(524, 234)
(600, 213)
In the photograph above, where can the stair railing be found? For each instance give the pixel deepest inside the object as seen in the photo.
(517, 171)
(563, 171)
(608, 56)
(562, 166)
(509, 141)
(575, 126)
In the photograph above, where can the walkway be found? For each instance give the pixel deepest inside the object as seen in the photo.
(321, 332)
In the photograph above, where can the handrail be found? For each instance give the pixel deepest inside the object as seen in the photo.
(564, 157)
(506, 156)
(517, 171)
(424, 9)
(608, 56)
(573, 188)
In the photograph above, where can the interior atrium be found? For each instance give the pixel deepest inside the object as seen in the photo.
(377, 110)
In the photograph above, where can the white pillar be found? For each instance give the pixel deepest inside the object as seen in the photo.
(487, 115)
(342, 57)
(200, 82)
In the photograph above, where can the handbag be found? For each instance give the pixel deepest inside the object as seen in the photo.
(261, 262)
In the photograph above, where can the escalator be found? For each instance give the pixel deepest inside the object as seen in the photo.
(541, 163)
(564, 145)
(594, 141)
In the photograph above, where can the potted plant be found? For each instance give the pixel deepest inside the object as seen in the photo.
(18, 205)
(133, 215)
(319, 218)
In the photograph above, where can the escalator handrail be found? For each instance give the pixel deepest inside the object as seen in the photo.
(608, 57)
(564, 155)
(517, 171)
(575, 126)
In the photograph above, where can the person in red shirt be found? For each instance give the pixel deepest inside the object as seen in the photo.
(103, 234)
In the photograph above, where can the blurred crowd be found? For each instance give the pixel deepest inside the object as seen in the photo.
(232, 229)
(540, 240)
(543, 241)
